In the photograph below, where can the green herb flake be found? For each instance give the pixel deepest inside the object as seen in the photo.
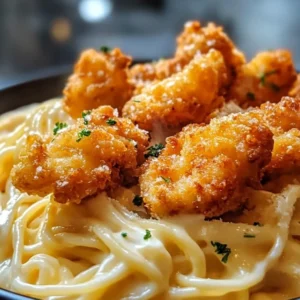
(249, 235)
(264, 76)
(59, 126)
(86, 117)
(111, 122)
(264, 82)
(222, 249)
(137, 200)
(124, 234)
(105, 49)
(166, 179)
(136, 101)
(147, 235)
(84, 132)
(257, 224)
(250, 96)
(154, 150)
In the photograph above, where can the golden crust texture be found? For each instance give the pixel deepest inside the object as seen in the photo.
(197, 39)
(185, 97)
(267, 77)
(142, 75)
(74, 166)
(99, 79)
(284, 121)
(205, 169)
(194, 39)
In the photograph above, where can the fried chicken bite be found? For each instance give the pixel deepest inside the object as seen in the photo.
(283, 119)
(99, 78)
(206, 169)
(185, 97)
(197, 39)
(267, 77)
(193, 40)
(97, 153)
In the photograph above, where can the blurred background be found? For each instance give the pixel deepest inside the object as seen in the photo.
(40, 34)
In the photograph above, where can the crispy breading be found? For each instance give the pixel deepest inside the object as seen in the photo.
(194, 39)
(73, 165)
(142, 75)
(295, 90)
(197, 39)
(185, 97)
(206, 169)
(283, 119)
(267, 77)
(228, 108)
(99, 79)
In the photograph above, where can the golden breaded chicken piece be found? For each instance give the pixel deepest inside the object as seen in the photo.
(99, 78)
(267, 77)
(283, 119)
(95, 154)
(185, 97)
(205, 169)
(295, 91)
(197, 39)
(193, 40)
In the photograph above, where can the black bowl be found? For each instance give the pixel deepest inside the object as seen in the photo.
(39, 87)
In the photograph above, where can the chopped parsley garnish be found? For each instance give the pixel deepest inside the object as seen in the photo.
(147, 235)
(84, 132)
(124, 234)
(85, 116)
(154, 150)
(111, 122)
(137, 101)
(250, 96)
(263, 76)
(59, 126)
(264, 82)
(166, 179)
(249, 235)
(105, 49)
(137, 200)
(222, 249)
(257, 224)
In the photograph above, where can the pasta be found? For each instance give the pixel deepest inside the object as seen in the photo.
(196, 198)
(55, 251)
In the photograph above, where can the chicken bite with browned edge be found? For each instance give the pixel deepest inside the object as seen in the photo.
(206, 169)
(185, 97)
(283, 119)
(99, 78)
(194, 39)
(267, 77)
(93, 155)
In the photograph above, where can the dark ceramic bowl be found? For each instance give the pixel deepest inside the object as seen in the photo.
(37, 88)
